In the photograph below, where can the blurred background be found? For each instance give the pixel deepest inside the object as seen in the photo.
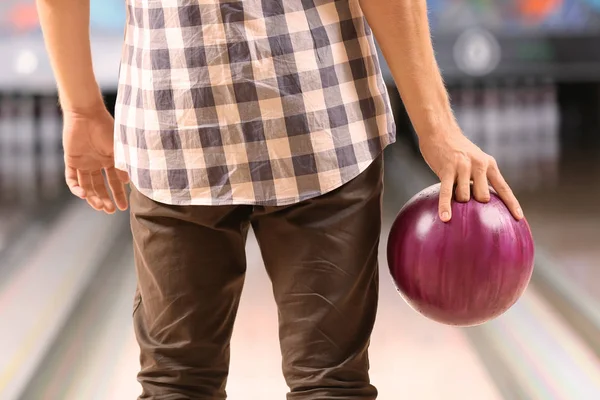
(524, 76)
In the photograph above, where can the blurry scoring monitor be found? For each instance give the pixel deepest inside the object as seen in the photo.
(516, 17)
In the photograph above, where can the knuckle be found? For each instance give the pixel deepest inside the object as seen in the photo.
(446, 187)
(483, 190)
(464, 165)
(480, 169)
(504, 189)
(480, 164)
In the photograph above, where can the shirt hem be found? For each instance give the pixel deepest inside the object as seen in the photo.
(272, 202)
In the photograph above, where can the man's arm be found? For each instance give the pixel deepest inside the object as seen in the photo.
(87, 124)
(402, 31)
(66, 28)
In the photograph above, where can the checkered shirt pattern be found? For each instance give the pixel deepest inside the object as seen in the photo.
(259, 102)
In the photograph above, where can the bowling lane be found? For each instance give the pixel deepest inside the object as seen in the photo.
(21, 229)
(566, 220)
(95, 356)
(94, 350)
(10, 219)
(43, 274)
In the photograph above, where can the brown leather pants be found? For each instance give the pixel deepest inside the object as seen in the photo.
(321, 256)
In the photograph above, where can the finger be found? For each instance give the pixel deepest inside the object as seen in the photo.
(73, 182)
(504, 192)
(445, 206)
(117, 188)
(463, 182)
(102, 192)
(85, 180)
(122, 175)
(481, 188)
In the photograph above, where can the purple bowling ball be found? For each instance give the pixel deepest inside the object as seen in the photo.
(467, 271)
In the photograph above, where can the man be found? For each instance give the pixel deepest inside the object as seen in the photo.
(264, 113)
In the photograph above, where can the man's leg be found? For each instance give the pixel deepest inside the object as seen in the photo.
(190, 264)
(321, 256)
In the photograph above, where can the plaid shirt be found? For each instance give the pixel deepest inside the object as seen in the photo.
(265, 102)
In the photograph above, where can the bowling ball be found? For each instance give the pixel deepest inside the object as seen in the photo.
(464, 272)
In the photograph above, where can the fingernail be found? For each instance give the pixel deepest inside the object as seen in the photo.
(519, 213)
(445, 216)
